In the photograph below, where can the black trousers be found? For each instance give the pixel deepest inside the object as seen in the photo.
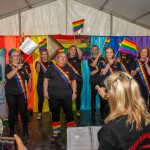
(66, 104)
(145, 96)
(40, 93)
(104, 107)
(93, 96)
(79, 90)
(17, 103)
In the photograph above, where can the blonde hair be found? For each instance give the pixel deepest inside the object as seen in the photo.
(125, 99)
(46, 52)
(59, 54)
(10, 56)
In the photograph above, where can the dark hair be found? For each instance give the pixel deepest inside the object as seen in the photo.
(148, 51)
(105, 59)
(94, 46)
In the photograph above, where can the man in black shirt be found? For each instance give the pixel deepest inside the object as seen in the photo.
(95, 77)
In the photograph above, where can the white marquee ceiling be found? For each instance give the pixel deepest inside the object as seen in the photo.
(136, 11)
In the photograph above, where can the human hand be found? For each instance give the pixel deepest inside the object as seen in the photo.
(39, 61)
(28, 95)
(19, 66)
(19, 143)
(111, 61)
(118, 59)
(93, 72)
(74, 96)
(99, 54)
(137, 69)
(46, 95)
(102, 92)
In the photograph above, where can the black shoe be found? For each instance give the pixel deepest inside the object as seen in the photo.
(93, 114)
(26, 132)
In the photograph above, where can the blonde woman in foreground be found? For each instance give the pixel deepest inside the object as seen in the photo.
(127, 127)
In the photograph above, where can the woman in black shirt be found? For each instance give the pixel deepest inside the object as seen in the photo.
(60, 88)
(41, 67)
(140, 70)
(16, 90)
(125, 62)
(107, 66)
(74, 61)
(127, 127)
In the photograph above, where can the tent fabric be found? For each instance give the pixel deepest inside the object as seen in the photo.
(56, 18)
(9, 42)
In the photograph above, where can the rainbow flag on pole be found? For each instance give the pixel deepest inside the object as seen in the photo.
(22, 37)
(120, 43)
(77, 25)
(43, 45)
(129, 47)
(107, 42)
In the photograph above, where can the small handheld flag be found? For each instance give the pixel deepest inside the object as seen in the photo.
(77, 25)
(28, 46)
(129, 47)
(120, 43)
(43, 45)
(107, 42)
(22, 38)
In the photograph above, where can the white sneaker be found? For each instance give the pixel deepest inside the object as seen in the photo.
(39, 117)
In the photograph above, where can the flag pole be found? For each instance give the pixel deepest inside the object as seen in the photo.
(27, 58)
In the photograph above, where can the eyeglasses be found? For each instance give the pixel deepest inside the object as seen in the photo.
(15, 55)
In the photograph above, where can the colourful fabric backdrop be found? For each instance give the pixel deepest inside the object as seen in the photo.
(84, 42)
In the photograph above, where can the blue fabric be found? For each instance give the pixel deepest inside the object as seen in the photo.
(99, 41)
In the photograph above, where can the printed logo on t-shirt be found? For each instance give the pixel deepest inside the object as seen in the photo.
(67, 72)
(74, 61)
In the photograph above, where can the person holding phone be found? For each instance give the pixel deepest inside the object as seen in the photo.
(16, 90)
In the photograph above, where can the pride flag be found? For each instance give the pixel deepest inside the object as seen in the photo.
(43, 45)
(22, 38)
(120, 43)
(77, 25)
(107, 42)
(129, 47)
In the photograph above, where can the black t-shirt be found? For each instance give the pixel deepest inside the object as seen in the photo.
(57, 86)
(97, 76)
(43, 68)
(27, 68)
(76, 63)
(127, 62)
(116, 135)
(137, 76)
(113, 68)
(12, 86)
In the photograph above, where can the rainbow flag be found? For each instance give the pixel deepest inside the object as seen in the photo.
(120, 43)
(43, 45)
(22, 38)
(77, 25)
(129, 47)
(107, 42)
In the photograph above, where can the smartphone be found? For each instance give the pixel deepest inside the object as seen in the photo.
(7, 143)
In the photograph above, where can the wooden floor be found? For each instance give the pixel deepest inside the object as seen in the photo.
(40, 131)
